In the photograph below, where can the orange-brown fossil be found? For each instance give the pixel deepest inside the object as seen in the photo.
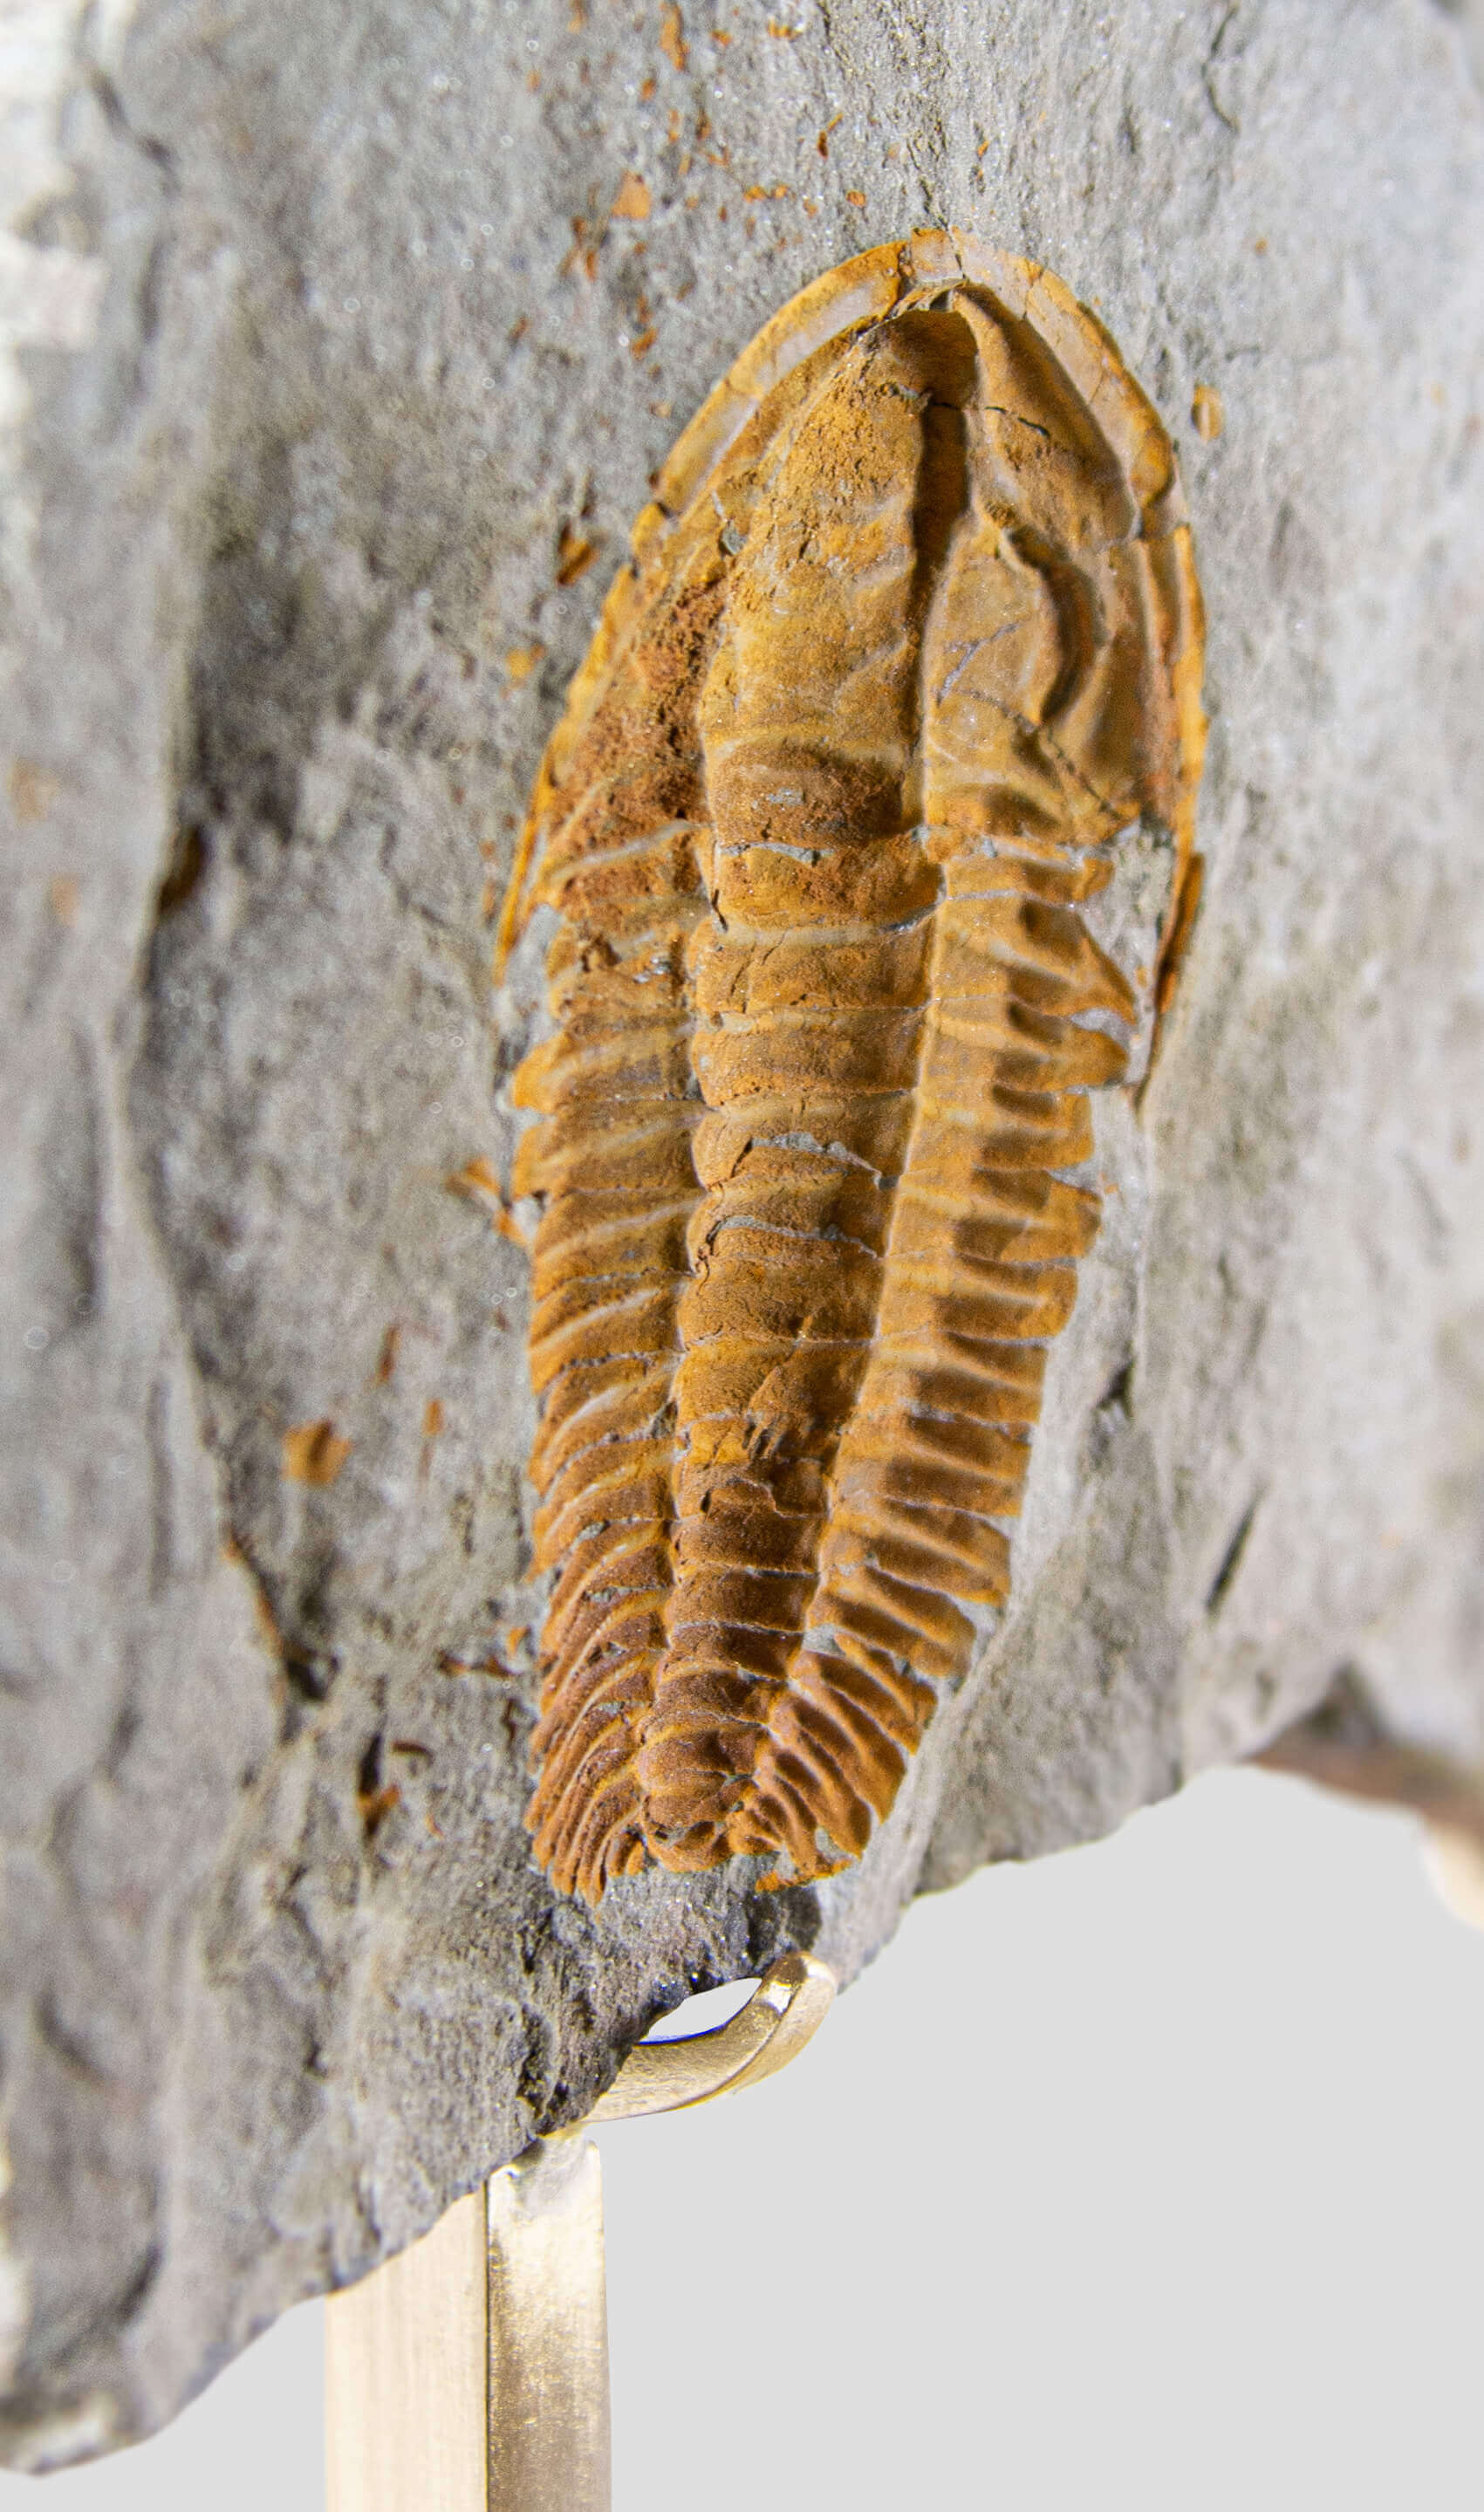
(910, 634)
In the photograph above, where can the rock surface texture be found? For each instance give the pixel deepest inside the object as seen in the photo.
(337, 344)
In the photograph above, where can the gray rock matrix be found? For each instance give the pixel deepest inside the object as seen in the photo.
(333, 364)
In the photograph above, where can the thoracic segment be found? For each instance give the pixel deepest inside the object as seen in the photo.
(826, 1018)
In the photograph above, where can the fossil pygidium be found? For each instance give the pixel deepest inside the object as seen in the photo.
(909, 633)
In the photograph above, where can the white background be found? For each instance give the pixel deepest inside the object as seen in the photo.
(1146, 2175)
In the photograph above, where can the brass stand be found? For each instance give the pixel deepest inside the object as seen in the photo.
(471, 2373)
(1455, 1860)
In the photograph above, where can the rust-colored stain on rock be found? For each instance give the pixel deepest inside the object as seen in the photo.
(313, 1453)
(632, 199)
(1208, 414)
(911, 634)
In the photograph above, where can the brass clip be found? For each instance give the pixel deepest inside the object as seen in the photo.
(787, 2009)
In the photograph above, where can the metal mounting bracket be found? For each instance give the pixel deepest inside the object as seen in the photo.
(471, 2373)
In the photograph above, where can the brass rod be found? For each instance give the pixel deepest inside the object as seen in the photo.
(548, 2395)
(406, 2376)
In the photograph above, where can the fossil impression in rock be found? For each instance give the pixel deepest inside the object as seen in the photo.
(911, 634)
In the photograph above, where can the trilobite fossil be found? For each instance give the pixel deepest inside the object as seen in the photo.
(910, 636)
